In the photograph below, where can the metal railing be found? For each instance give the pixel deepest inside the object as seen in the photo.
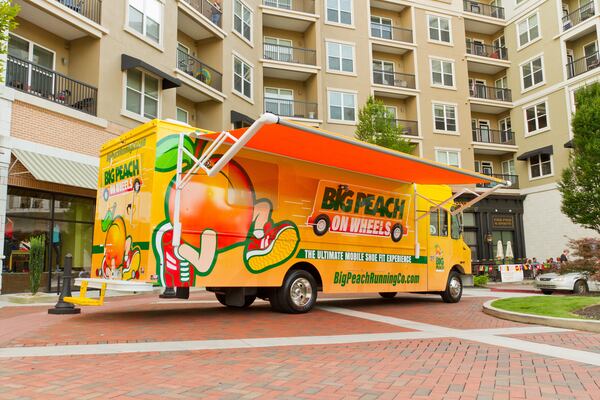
(91, 9)
(409, 128)
(493, 136)
(483, 9)
(295, 55)
(396, 79)
(389, 32)
(578, 16)
(42, 82)
(208, 9)
(583, 64)
(485, 50)
(513, 179)
(199, 70)
(305, 6)
(490, 93)
(291, 108)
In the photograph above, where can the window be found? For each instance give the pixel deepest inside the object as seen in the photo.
(285, 4)
(145, 17)
(528, 29)
(279, 101)
(540, 166)
(342, 106)
(448, 157)
(438, 222)
(27, 77)
(340, 57)
(339, 11)
(455, 226)
(182, 115)
(506, 133)
(183, 57)
(242, 20)
(591, 55)
(142, 94)
(242, 78)
(383, 72)
(508, 167)
(381, 27)
(279, 49)
(536, 117)
(442, 73)
(439, 28)
(444, 116)
(532, 73)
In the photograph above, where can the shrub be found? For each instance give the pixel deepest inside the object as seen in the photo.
(481, 280)
(37, 252)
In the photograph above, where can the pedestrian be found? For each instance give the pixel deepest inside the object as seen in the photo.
(216, 12)
(563, 256)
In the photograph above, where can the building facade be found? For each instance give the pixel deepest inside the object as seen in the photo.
(483, 86)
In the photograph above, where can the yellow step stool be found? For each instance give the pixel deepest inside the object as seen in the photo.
(86, 301)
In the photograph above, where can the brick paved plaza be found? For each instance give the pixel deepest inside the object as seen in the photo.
(414, 346)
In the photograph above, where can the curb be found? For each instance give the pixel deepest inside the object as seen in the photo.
(492, 289)
(567, 323)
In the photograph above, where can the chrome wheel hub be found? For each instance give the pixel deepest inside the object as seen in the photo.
(455, 287)
(301, 292)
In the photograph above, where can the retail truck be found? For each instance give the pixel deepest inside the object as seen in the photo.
(277, 211)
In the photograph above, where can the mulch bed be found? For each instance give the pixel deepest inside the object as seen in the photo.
(592, 312)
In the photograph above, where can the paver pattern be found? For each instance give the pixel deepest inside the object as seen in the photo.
(587, 341)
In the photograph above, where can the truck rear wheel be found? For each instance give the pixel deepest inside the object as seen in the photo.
(397, 232)
(388, 295)
(297, 295)
(247, 303)
(454, 288)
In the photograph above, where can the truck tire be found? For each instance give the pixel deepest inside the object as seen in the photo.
(581, 288)
(321, 225)
(298, 294)
(247, 303)
(547, 291)
(454, 288)
(388, 295)
(396, 233)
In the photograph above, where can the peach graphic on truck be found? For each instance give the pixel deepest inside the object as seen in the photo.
(356, 210)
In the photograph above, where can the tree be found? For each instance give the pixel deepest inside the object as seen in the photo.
(376, 125)
(580, 183)
(8, 13)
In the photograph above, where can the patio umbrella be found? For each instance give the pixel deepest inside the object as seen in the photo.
(499, 252)
(509, 253)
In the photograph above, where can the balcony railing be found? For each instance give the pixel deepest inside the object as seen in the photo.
(395, 79)
(513, 179)
(493, 136)
(578, 16)
(485, 50)
(91, 9)
(409, 128)
(42, 82)
(291, 108)
(289, 54)
(208, 9)
(199, 70)
(491, 93)
(389, 32)
(483, 9)
(583, 64)
(305, 6)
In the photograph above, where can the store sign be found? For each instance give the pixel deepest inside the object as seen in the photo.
(503, 222)
(511, 272)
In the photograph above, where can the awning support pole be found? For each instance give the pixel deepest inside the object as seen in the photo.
(478, 198)
(417, 244)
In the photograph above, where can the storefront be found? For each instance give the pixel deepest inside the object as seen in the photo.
(66, 222)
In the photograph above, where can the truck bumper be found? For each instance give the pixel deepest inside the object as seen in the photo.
(116, 285)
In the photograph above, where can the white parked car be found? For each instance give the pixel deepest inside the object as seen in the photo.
(576, 282)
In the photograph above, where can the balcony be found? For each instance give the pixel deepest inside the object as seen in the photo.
(483, 9)
(90, 9)
(291, 15)
(578, 16)
(483, 18)
(200, 19)
(409, 127)
(47, 84)
(303, 6)
(493, 136)
(513, 179)
(583, 65)
(389, 32)
(485, 50)
(201, 82)
(486, 59)
(291, 108)
(287, 62)
(490, 99)
(395, 79)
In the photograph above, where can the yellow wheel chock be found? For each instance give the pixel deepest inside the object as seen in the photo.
(86, 301)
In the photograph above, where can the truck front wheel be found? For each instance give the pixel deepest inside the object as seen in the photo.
(454, 288)
(297, 295)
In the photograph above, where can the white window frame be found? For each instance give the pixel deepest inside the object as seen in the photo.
(343, 92)
(342, 24)
(439, 41)
(505, 167)
(522, 77)
(279, 45)
(529, 165)
(251, 66)
(340, 43)
(142, 36)
(140, 117)
(534, 105)
(187, 115)
(442, 61)
(530, 41)
(249, 41)
(381, 24)
(279, 89)
(445, 104)
(448, 150)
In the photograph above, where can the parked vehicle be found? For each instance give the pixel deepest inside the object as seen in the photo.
(575, 282)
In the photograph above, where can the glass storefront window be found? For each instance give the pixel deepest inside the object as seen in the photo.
(73, 208)
(27, 203)
(71, 238)
(469, 219)
(17, 233)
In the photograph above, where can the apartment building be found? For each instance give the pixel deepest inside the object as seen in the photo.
(484, 86)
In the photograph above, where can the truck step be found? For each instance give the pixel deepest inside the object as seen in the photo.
(82, 300)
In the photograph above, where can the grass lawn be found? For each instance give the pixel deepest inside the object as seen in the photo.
(550, 306)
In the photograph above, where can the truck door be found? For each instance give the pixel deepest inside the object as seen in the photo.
(439, 250)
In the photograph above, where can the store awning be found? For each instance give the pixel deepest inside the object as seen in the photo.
(58, 170)
(542, 150)
(569, 144)
(168, 82)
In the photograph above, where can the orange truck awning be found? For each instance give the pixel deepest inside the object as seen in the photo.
(305, 143)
